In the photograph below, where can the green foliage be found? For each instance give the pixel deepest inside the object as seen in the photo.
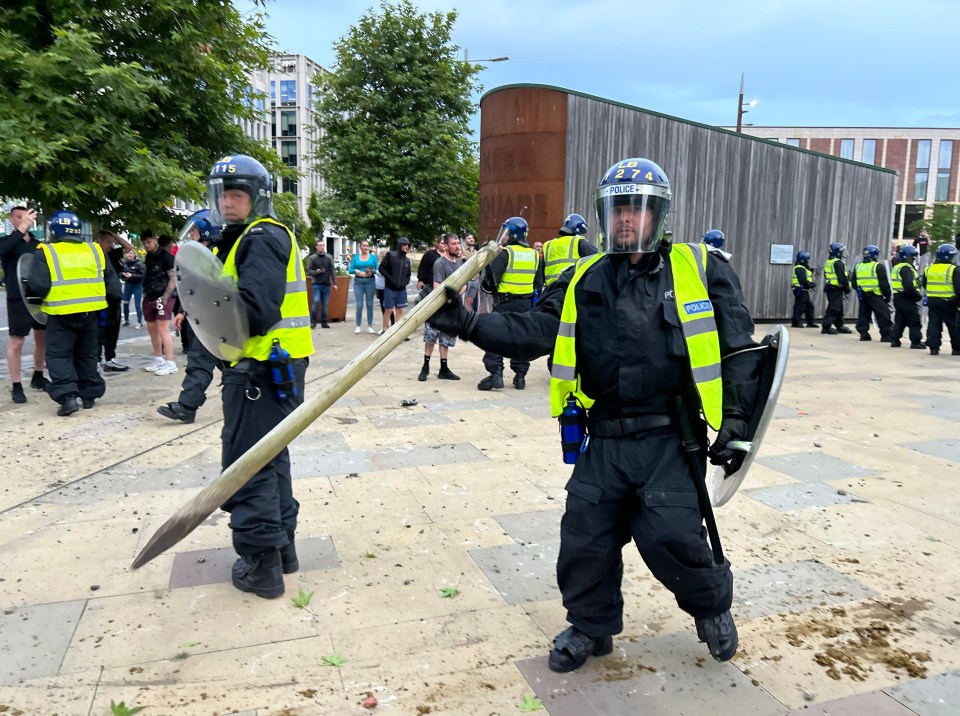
(113, 108)
(288, 212)
(449, 592)
(334, 659)
(531, 703)
(122, 709)
(315, 216)
(302, 600)
(395, 149)
(942, 226)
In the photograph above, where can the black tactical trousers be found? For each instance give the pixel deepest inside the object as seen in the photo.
(638, 487)
(72, 356)
(199, 373)
(494, 363)
(907, 316)
(833, 316)
(263, 514)
(873, 303)
(802, 308)
(942, 311)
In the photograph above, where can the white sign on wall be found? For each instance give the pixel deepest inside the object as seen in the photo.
(781, 253)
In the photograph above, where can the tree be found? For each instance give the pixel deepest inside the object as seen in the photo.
(942, 226)
(112, 108)
(315, 216)
(394, 149)
(288, 212)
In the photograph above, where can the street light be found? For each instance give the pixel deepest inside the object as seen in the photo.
(492, 59)
(742, 106)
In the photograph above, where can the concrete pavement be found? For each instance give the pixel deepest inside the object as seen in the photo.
(844, 541)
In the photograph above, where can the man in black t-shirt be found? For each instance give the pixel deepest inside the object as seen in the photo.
(114, 247)
(17, 243)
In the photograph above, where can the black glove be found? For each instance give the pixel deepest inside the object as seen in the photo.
(730, 429)
(453, 318)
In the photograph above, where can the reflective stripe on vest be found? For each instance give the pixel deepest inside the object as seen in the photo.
(830, 272)
(521, 271)
(808, 274)
(867, 280)
(558, 254)
(895, 283)
(293, 328)
(940, 281)
(697, 321)
(76, 282)
(564, 380)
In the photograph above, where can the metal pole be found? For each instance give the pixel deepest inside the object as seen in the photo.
(740, 106)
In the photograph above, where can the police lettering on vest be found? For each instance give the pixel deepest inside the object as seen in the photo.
(76, 284)
(688, 266)
(293, 328)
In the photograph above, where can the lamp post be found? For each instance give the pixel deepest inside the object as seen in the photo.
(466, 58)
(742, 106)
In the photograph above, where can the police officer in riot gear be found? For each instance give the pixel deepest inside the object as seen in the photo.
(566, 249)
(713, 238)
(836, 285)
(512, 277)
(647, 336)
(942, 281)
(200, 362)
(261, 255)
(873, 288)
(75, 280)
(803, 285)
(906, 295)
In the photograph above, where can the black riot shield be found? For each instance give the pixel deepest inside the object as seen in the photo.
(34, 305)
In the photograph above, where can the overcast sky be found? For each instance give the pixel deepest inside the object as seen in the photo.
(807, 62)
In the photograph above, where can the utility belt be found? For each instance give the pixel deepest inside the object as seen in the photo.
(504, 297)
(277, 371)
(618, 427)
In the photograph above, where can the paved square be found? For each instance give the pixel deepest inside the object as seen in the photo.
(787, 498)
(813, 466)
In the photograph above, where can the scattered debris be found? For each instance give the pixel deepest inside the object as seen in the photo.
(371, 701)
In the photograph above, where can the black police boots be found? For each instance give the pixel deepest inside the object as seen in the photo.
(69, 406)
(865, 337)
(918, 346)
(844, 329)
(88, 403)
(494, 380)
(260, 574)
(829, 331)
(894, 343)
(176, 411)
(288, 558)
(519, 382)
(719, 633)
(572, 648)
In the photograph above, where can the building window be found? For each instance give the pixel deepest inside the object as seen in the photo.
(943, 170)
(846, 149)
(288, 152)
(288, 91)
(291, 185)
(922, 174)
(793, 142)
(288, 123)
(869, 155)
(273, 91)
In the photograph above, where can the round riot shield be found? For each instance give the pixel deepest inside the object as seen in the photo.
(34, 305)
(724, 480)
(211, 302)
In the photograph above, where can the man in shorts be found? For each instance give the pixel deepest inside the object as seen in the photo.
(395, 269)
(14, 245)
(448, 262)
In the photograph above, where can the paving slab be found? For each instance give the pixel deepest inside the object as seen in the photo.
(947, 448)
(521, 573)
(874, 704)
(813, 466)
(787, 498)
(34, 639)
(937, 695)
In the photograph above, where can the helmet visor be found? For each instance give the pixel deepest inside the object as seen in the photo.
(231, 199)
(504, 237)
(632, 217)
(189, 232)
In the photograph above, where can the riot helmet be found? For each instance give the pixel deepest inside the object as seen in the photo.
(947, 254)
(633, 200)
(713, 238)
(65, 226)
(871, 252)
(513, 232)
(908, 253)
(574, 225)
(838, 251)
(199, 221)
(803, 258)
(239, 173)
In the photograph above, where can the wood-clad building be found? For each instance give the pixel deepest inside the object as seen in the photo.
(543, 150)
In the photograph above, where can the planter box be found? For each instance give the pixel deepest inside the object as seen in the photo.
(337, 306)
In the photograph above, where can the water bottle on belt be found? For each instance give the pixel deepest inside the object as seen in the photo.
(573, 430)
(281, 372)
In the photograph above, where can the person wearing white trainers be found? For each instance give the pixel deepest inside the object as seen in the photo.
(168, 368)
(158, 363)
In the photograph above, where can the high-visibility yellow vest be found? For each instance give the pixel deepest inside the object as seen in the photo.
(521, 270)
(830, 272)
(558, 254)
(688, 266)
(867, 280)
(794, 281)
(940, 281)
(76, 278)
(895, 282)
(293, 328)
